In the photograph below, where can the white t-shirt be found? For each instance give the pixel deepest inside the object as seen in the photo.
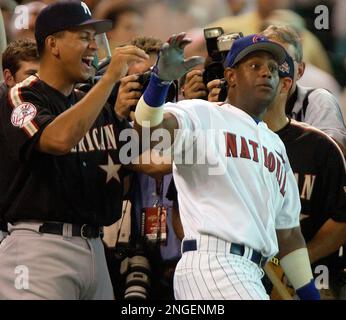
(323, 112)
(240, 186)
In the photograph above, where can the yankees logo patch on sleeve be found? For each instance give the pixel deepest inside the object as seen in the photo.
(23, 114)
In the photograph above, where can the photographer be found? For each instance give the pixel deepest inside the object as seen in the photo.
(153, 262)
(131, 85)
(209, 84)
(20, 60)
(194, 87)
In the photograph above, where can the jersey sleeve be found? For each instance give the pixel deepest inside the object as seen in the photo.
(288, 216)
(192, 117)
(325, 114)
(23, 118)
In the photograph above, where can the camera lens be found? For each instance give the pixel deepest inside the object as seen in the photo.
(137, 282)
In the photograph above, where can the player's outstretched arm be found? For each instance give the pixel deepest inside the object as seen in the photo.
(294, 260)
(170, 66)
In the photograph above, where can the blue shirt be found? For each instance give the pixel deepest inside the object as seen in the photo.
(145, 195)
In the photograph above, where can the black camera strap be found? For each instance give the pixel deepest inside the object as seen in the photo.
(161, 208)
(124, 210)
(159, 191)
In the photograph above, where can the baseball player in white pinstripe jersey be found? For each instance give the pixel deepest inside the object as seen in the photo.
(237, 217)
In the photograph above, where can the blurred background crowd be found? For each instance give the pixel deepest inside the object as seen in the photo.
(146, 24)
(323, 30)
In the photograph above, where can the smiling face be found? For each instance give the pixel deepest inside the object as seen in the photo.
(74, 51)
(253, 82)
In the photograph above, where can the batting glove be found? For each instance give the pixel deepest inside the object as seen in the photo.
(171, 64)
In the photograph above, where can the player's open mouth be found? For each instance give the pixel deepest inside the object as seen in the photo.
(87, 61)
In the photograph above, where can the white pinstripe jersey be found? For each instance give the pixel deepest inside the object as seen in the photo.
(245, 189)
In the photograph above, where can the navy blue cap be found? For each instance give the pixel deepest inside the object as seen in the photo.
(65, 15)
(255, 42)
(287, 68)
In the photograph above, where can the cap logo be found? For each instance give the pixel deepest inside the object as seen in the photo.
(284, 68)
(257, 38)
(85, 7)
(23, 114)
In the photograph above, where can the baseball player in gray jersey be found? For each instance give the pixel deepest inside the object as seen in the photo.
(236, 218)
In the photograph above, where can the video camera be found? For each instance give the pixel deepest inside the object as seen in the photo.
(218, 44)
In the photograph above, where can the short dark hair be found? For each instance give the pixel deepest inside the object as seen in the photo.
(17, 51)
(147, 44)
(288, 35)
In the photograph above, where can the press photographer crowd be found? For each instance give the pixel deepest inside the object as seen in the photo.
(173, 150)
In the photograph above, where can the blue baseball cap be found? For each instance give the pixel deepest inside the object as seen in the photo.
(255, 42)
(286, 69)
(65, 15)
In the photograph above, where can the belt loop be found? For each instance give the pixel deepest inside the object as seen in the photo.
(67, 230)
(249, 252)
(182, 246)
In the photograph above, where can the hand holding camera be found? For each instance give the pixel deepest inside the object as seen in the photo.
(122, 56)
(128, 95)
(194, 87)
(214, 89)
(210, 84)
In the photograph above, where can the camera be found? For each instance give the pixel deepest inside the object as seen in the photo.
(136, 273)
(129, 263)
(143, 79)
(218, 44)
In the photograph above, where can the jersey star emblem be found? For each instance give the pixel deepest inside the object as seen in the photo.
(111, 169)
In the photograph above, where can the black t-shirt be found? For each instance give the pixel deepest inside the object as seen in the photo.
(3, 90)
(83, 186)
(319, 168)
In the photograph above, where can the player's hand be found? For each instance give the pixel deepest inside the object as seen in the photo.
(128, 95)
(194, 87)
(121, 58)
(171, 64)
(214, 88)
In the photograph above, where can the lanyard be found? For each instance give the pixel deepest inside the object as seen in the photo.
(159, 192)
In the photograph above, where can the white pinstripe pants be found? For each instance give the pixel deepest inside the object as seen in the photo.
(212, 273)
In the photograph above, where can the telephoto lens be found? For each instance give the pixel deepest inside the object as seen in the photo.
(137, 283)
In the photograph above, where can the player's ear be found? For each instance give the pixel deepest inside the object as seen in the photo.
(9, 78)
(52, 45)
(230, 77)
(301, 69)
(286, 84)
